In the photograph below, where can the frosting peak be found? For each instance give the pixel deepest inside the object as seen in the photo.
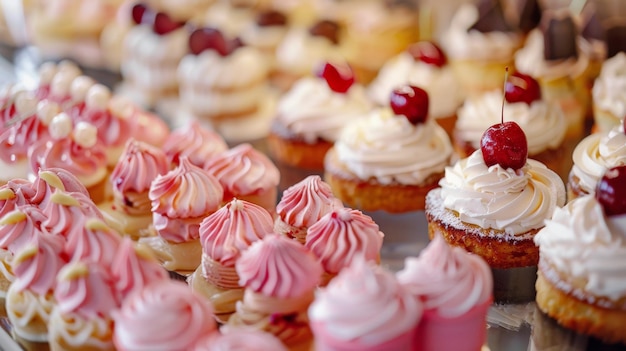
(37, 263)
(194, 141)
(305, 202)
(134, 267)
(138, 166)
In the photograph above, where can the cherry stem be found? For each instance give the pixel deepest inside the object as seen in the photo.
(506, 77)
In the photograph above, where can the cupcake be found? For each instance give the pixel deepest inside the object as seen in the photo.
(240, 340)
(246, 174)
(422, 64)
(340, 320)
(279, 276)
(84, 297)
(580, 281)
(67, 213)
(339, 237)
(480, 43)
(492, 204)
(96, 242)
(302, 205)
(186, 318)
(311, 115)
(265, 33)
(592, 157)
(180, 200)
(543, 122)
(47, 182)
(609, 106)
(194, 142)
(30, 298)
(456, 289)
(224, 235)
(391, 158)
(130, 212)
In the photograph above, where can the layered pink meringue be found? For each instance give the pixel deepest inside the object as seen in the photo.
(195, 142)
(97, 242)
(36, 264)
(67, 212)
(19, 227)
(302, 205)
(48, 180)
(166, 315)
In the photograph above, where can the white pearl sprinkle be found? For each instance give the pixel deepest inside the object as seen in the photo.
(85, 134)
(46, 111)
(98, 97)
(61, 126)
(80, 86)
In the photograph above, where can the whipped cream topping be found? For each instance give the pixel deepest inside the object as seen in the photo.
(240, 339)
(279, 267)
(595, 154)
(342, 235)
(530, 60)
(195, 142)
(232, 229)
(461, 43)
(610, 83)
(514, 201)
(36, 265)
(444, 93)
(388, 148)
(338, 310)
(300, 52)
(164, 315)
(448, 280)
(243, 170)
(138, 166)
(312, 111)
(543, 122)
(305, 202)
(580, 242)
(134, 267)
(97, 242)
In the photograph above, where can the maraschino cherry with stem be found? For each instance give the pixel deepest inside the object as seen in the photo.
(411, 102)
(339, 77)
(504, 143)
(611, 191)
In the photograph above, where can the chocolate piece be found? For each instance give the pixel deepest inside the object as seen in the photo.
(271, 18)
(616, 39)
(326, 28)
(491, 18)
(529, 14)
(559, 37)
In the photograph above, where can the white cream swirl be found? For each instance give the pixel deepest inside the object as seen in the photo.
(312, 110)
(444, 92)
(608, 88)
(530, 60)
(461, 43)
(597, 153)
(581, 243)
(390, 149)
(543, 123)
(514, 201)
(339, 309)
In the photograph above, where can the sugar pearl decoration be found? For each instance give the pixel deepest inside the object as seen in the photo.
(121, 107)
(47, 71)
(47, 110)
(61, 83)
(70, 68)
(25, 103)
(85, 134)
(61, 126)
(80, 86)
(98, 97)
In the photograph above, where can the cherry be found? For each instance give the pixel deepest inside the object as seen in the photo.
(271, 18)
(338, 77)
(137, 12)
(428, 53)
(410, 101)
(164, 24)
(611, 191)
(211, 38)
(327, 29)
(521, 88)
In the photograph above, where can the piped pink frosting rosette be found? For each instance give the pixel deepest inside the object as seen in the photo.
(195, 142)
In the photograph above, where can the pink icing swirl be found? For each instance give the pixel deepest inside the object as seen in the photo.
(165, 315)
(133, 268)
(232, 229)
(19, 227)
(14, 193)
(67, 154)
(16, 140)
(50, 179)
(151, 128)
(306, 202)
(86, 289)
(278, 267)
(365, 304)
(36, 264)
(113, 131)
(240, 339)
(138, 166)
(67, 212)
(447, 279)
(95, 243)
(195, 142)
(341, 235)
(243, 170)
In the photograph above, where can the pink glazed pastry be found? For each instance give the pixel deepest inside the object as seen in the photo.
(342, 235)
(164, 315)
(181, 199)
(246, 174)
(85, 298)
(456, 290)
(223, 236)
(366, 309)
(280, 276)
(303, 204)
